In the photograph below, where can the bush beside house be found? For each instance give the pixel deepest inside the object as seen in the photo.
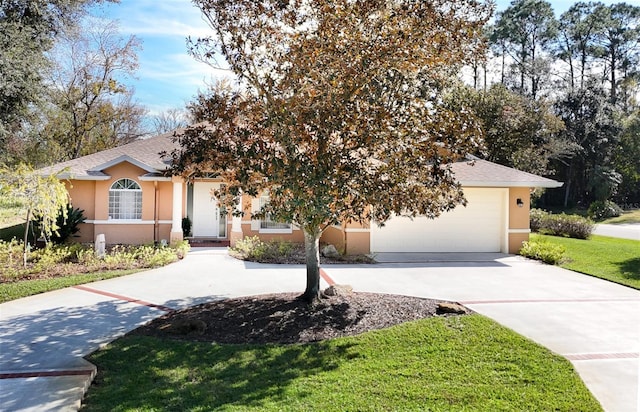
(573, 226)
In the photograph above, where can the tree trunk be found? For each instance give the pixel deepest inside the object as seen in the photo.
(312, 252)
(583, 63)
(484, 68)
(613, 75)
(502, 68)
(567, 184)
(567, 190)
(571, 74)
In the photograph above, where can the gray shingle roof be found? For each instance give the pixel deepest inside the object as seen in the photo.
(144, 153)
(477, 172)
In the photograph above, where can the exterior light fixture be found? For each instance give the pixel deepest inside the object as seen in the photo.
(519, 202)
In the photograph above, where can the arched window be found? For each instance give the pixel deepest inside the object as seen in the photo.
(125, 200)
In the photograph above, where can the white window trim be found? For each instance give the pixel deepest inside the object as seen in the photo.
(135, 191)
(257, 223)
(276, 231)
(127, 222)
(519, 230)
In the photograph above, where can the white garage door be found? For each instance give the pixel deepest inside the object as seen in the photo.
(479, 227)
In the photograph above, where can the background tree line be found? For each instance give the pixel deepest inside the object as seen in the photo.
(63, 91)
(557, 96)
(560, 97)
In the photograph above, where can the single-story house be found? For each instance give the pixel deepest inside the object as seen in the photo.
(126, 196)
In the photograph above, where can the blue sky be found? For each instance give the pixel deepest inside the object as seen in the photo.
(167, 76)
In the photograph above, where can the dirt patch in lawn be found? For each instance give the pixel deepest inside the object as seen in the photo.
(282, 318)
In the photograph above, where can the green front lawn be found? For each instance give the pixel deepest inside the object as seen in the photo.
(24, 288)
(617, 260)
(629, 216)
(437, 364)
(11, 213)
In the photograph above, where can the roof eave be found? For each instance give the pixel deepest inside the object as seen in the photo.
(546, 185)
(67, 176)
(154, 178)
(121, 159)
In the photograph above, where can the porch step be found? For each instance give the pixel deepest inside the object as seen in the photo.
(204, 242)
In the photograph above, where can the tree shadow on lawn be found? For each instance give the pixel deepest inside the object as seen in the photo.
(205, 357)
(172, 375)
(630, 268)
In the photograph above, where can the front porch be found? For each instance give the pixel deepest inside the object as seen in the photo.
(204, 241)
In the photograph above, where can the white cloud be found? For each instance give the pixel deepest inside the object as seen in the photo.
(182, 68)
(156, 18)
(167, 76)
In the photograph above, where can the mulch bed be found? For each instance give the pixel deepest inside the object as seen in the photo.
(281, 318)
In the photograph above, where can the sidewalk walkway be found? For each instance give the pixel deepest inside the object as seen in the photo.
(44, 338)
(621, 230)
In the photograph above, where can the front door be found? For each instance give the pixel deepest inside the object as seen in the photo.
(208, 219)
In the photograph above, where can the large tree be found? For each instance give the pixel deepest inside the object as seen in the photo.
(626, 161)
(591, 124)
(519, 131)
(525, 30)
(28, 29)
(89, 108)
(579, 28)
(43, 197)
(339, 113)
(169, 120)
(619, 47)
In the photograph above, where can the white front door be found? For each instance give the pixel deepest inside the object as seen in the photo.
(207, 219)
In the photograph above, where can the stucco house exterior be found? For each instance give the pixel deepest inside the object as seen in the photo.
(126, 196)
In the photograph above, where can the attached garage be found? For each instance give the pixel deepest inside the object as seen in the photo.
(481, 226)
(496, 218)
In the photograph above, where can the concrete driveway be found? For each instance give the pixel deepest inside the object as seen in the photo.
(593, 323)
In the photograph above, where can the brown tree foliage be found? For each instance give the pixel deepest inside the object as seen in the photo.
(338, 112)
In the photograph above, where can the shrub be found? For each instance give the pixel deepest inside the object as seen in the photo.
(45, 259)
(119, 257)
(603, 209)
(544, 251)
(573, 226)
(66, 226)
(181, 248)
(10, 253)
(249, 248)
(284, 248)
(537, 218)
(86, 257)
(60, 260)
(186, 227)
(11, 260)
(69, 226)
(254, 249)
(151, 257)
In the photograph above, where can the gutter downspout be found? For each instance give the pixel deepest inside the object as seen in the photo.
(156, 227)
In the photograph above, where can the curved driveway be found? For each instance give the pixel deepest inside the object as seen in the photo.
(593, 323)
